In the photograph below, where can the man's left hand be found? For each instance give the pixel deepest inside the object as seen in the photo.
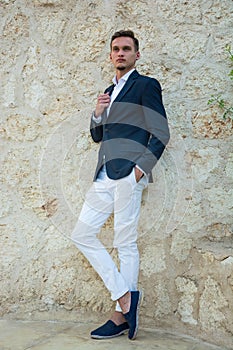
(138, 174)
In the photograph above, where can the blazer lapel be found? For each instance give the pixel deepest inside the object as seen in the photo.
(128, 85)
(110, 89)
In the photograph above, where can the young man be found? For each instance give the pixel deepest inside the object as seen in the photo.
(130, 124)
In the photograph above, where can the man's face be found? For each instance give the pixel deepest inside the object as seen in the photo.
(123, 54)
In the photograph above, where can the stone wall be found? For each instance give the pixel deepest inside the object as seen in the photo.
(54, 61)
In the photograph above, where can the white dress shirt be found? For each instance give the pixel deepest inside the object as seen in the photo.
(119, 84)
(118, 87)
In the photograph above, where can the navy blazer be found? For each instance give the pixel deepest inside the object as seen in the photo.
(135, 131)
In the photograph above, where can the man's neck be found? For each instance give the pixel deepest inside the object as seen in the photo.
(121, 73)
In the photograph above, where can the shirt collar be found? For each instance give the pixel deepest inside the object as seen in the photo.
(124, 78)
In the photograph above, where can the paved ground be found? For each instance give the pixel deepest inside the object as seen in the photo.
(21, 335)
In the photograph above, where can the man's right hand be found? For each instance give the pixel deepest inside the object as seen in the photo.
(103, 102)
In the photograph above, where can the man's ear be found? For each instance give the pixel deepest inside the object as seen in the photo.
(110, 56)
(138, 55)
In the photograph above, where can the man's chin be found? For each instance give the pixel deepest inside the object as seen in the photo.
(120, 68)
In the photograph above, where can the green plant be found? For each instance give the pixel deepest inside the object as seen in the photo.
(219, 100)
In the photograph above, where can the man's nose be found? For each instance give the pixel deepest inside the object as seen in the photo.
(120, 53)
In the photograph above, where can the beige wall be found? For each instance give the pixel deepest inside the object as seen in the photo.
(54, 62)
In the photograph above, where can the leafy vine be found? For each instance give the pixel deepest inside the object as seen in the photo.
(218, 100)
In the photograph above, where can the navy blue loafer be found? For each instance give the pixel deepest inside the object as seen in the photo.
(109, 330)
(132, 316)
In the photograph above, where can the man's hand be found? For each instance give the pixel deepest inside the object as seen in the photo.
(103, 102)
(138, 174)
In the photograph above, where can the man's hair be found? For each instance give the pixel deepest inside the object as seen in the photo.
(126, 33)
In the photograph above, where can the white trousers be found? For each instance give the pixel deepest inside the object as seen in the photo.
(123, 198)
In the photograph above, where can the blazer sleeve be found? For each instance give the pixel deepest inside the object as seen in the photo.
(96, 130)
(156, 124)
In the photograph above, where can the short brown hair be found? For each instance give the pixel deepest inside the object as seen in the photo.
(126, 33)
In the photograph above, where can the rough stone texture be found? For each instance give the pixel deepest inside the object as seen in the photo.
(54, 62)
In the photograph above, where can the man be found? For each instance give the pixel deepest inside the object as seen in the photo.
(130, 123)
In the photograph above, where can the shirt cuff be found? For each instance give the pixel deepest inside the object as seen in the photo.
(96, 119)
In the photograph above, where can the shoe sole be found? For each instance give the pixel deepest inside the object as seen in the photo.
(140, 299)
(109, 336)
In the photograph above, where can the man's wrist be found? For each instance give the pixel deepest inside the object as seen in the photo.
(95, 118)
